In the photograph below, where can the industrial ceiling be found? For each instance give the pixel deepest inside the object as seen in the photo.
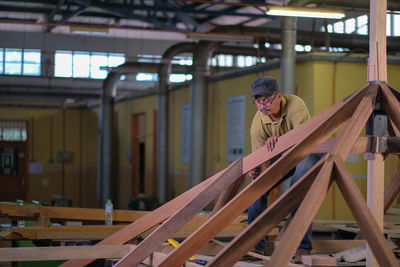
(177, 21)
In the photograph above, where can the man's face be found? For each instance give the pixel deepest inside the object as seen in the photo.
(268, 105)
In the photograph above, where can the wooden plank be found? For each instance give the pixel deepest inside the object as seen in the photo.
(334, 246)
(354, 126)
(362, 145)
(228, 194)
(392, 129)
(377, 69)
(60, 232)
(303, 217)
(267, 220)
(32, 212)
(363, 215)
(392, 190)
(375, 192)
(63, 253)
(265, 181)
(356, 254)
(314, 198)
(318, 260)
(255, 255)
(352, 255)
(101, 231)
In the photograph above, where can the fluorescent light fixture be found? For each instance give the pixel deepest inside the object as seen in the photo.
(88, 30)
(220, 37)
(305, 12)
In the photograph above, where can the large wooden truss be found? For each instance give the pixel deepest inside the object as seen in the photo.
(308, 193)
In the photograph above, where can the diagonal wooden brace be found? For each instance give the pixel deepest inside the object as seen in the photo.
(363, 215)
(314, 198)
(266, 221)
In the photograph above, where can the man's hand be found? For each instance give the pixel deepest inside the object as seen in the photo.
(270, 143)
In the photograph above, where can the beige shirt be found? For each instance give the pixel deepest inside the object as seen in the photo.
(294, 112)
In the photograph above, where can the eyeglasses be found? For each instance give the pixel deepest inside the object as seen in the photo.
(264, 101)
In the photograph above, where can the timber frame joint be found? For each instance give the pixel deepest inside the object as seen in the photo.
(377, 82)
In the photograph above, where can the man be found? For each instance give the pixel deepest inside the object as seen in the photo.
(277, 114)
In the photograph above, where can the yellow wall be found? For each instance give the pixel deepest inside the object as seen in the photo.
(80, 137)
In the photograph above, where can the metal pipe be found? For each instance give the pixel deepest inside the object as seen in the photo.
(162, 115)
(106, 127)
(198, 111)
(288, 58)
(288, 65)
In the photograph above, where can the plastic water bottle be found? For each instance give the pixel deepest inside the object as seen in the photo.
(109, 212)
(20, 223)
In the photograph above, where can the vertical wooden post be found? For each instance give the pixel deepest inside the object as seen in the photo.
(375, 192)
(377, 41)
(377, 71)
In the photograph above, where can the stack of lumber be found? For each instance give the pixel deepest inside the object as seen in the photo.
(86, 215)
(393, 215)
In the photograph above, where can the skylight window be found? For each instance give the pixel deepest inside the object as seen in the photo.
(362, 24)
(13, 61)
(350, 25)
(31, 62)
(77, 64)
(16, 61)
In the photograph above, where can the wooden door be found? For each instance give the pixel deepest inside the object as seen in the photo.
(138, 148)
(14, 160)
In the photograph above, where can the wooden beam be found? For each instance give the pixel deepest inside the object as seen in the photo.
(377, 63)
(363, 215)
(314, 198)
(228, 194)
(253, 254)
(362, 145)
(391, 105)
(294, 233)
(334, 246)
(318, 260)
(375, 192)
(388, 144)
(63, 253)
(392, 129)
(97, 232)
(356, 254)
(171, 225)
(266, 179)
(392, 191)
(266, 221)
(348, 136)
(32, 212)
